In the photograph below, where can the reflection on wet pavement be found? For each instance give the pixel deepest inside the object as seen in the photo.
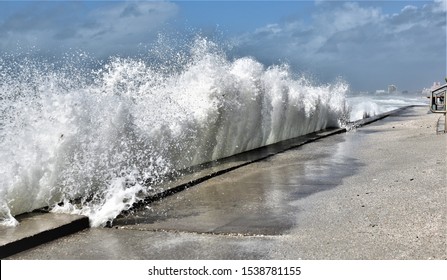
(257, 199)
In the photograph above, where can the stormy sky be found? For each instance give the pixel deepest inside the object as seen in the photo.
(370, 44)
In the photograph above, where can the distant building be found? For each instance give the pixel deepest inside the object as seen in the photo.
(392, 89)
(435, 85)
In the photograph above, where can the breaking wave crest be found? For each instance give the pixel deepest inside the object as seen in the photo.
(98, 134)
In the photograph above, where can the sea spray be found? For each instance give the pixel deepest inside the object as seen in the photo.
(363, 106)
(98, 138)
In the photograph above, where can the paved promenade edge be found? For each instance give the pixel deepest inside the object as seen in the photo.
(38, 227)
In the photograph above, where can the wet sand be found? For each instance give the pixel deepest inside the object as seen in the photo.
(377, 192)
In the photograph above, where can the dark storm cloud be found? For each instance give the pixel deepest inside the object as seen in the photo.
(131, 10)
(117, 27)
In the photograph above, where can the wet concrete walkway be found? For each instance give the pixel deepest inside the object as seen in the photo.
(38, 228)
(377, 192)
(257, 199)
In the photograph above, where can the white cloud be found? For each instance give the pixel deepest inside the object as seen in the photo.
(441, 6)
(348, 16)
(269, 29)
(362, 43)
(409, 8)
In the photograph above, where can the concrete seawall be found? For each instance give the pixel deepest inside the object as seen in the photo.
(377, 192)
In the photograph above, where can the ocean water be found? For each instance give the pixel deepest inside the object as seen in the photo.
(366, 105)
(92, 138)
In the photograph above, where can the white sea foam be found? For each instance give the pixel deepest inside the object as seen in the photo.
(363, 106)
(101, 137)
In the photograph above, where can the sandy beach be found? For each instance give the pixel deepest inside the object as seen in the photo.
(376, 192)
